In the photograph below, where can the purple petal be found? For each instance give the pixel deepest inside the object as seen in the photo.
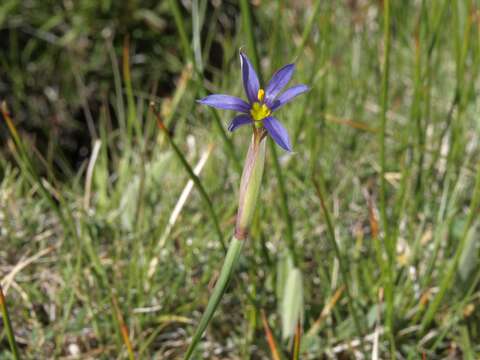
(278, 82)
(277, 132)
(288, 95)
(226, 102)
(250, 78)
(238, 121)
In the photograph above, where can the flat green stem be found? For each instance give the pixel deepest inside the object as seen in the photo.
(389, 241)
(248, 198)
(229, 264)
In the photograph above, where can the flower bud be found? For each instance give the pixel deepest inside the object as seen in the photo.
(250, 185)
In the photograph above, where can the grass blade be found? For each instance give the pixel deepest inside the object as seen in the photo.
(132, 122)
(308, 28)
(447, 279)
(8, 326)
(192, 175)
(272, 344)
(389, 241)
(296, 341)
(327, 309)
(178, 17)
(176, 213)
(123, 328)
(191, 58)
(30, 170)
(319, 187)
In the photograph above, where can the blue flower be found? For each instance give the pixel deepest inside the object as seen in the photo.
(261, 103)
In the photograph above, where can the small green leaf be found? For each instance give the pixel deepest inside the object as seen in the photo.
(284, 266)
(292, 304)
(469, 258)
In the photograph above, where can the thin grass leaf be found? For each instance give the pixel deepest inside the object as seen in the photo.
(132, 122)
(326, 311)
(197, 16)
(296, 341)
(272, 343)
(122, 327)
(29, 168)
(448, 277)
(390, 243)
(308, 28)
(192, 175)
(319, 187)
(181, 28)
(176, 213)
(8, 326)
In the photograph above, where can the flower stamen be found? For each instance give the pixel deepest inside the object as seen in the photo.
(260, 95)
(259, 111)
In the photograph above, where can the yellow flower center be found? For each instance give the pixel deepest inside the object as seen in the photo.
(259, 110)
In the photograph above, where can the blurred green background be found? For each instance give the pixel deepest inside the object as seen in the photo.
(101, 258)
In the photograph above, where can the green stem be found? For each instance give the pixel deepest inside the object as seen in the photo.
(248, 198)
(383, 119)
(177, 15)
(319, 187)
(231, 260)
(133, 125)
(284, 203)
(389, 241)
(308, 28)
(8, 326)
(447, 279)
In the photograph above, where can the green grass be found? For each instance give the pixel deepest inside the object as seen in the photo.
(392, 257)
